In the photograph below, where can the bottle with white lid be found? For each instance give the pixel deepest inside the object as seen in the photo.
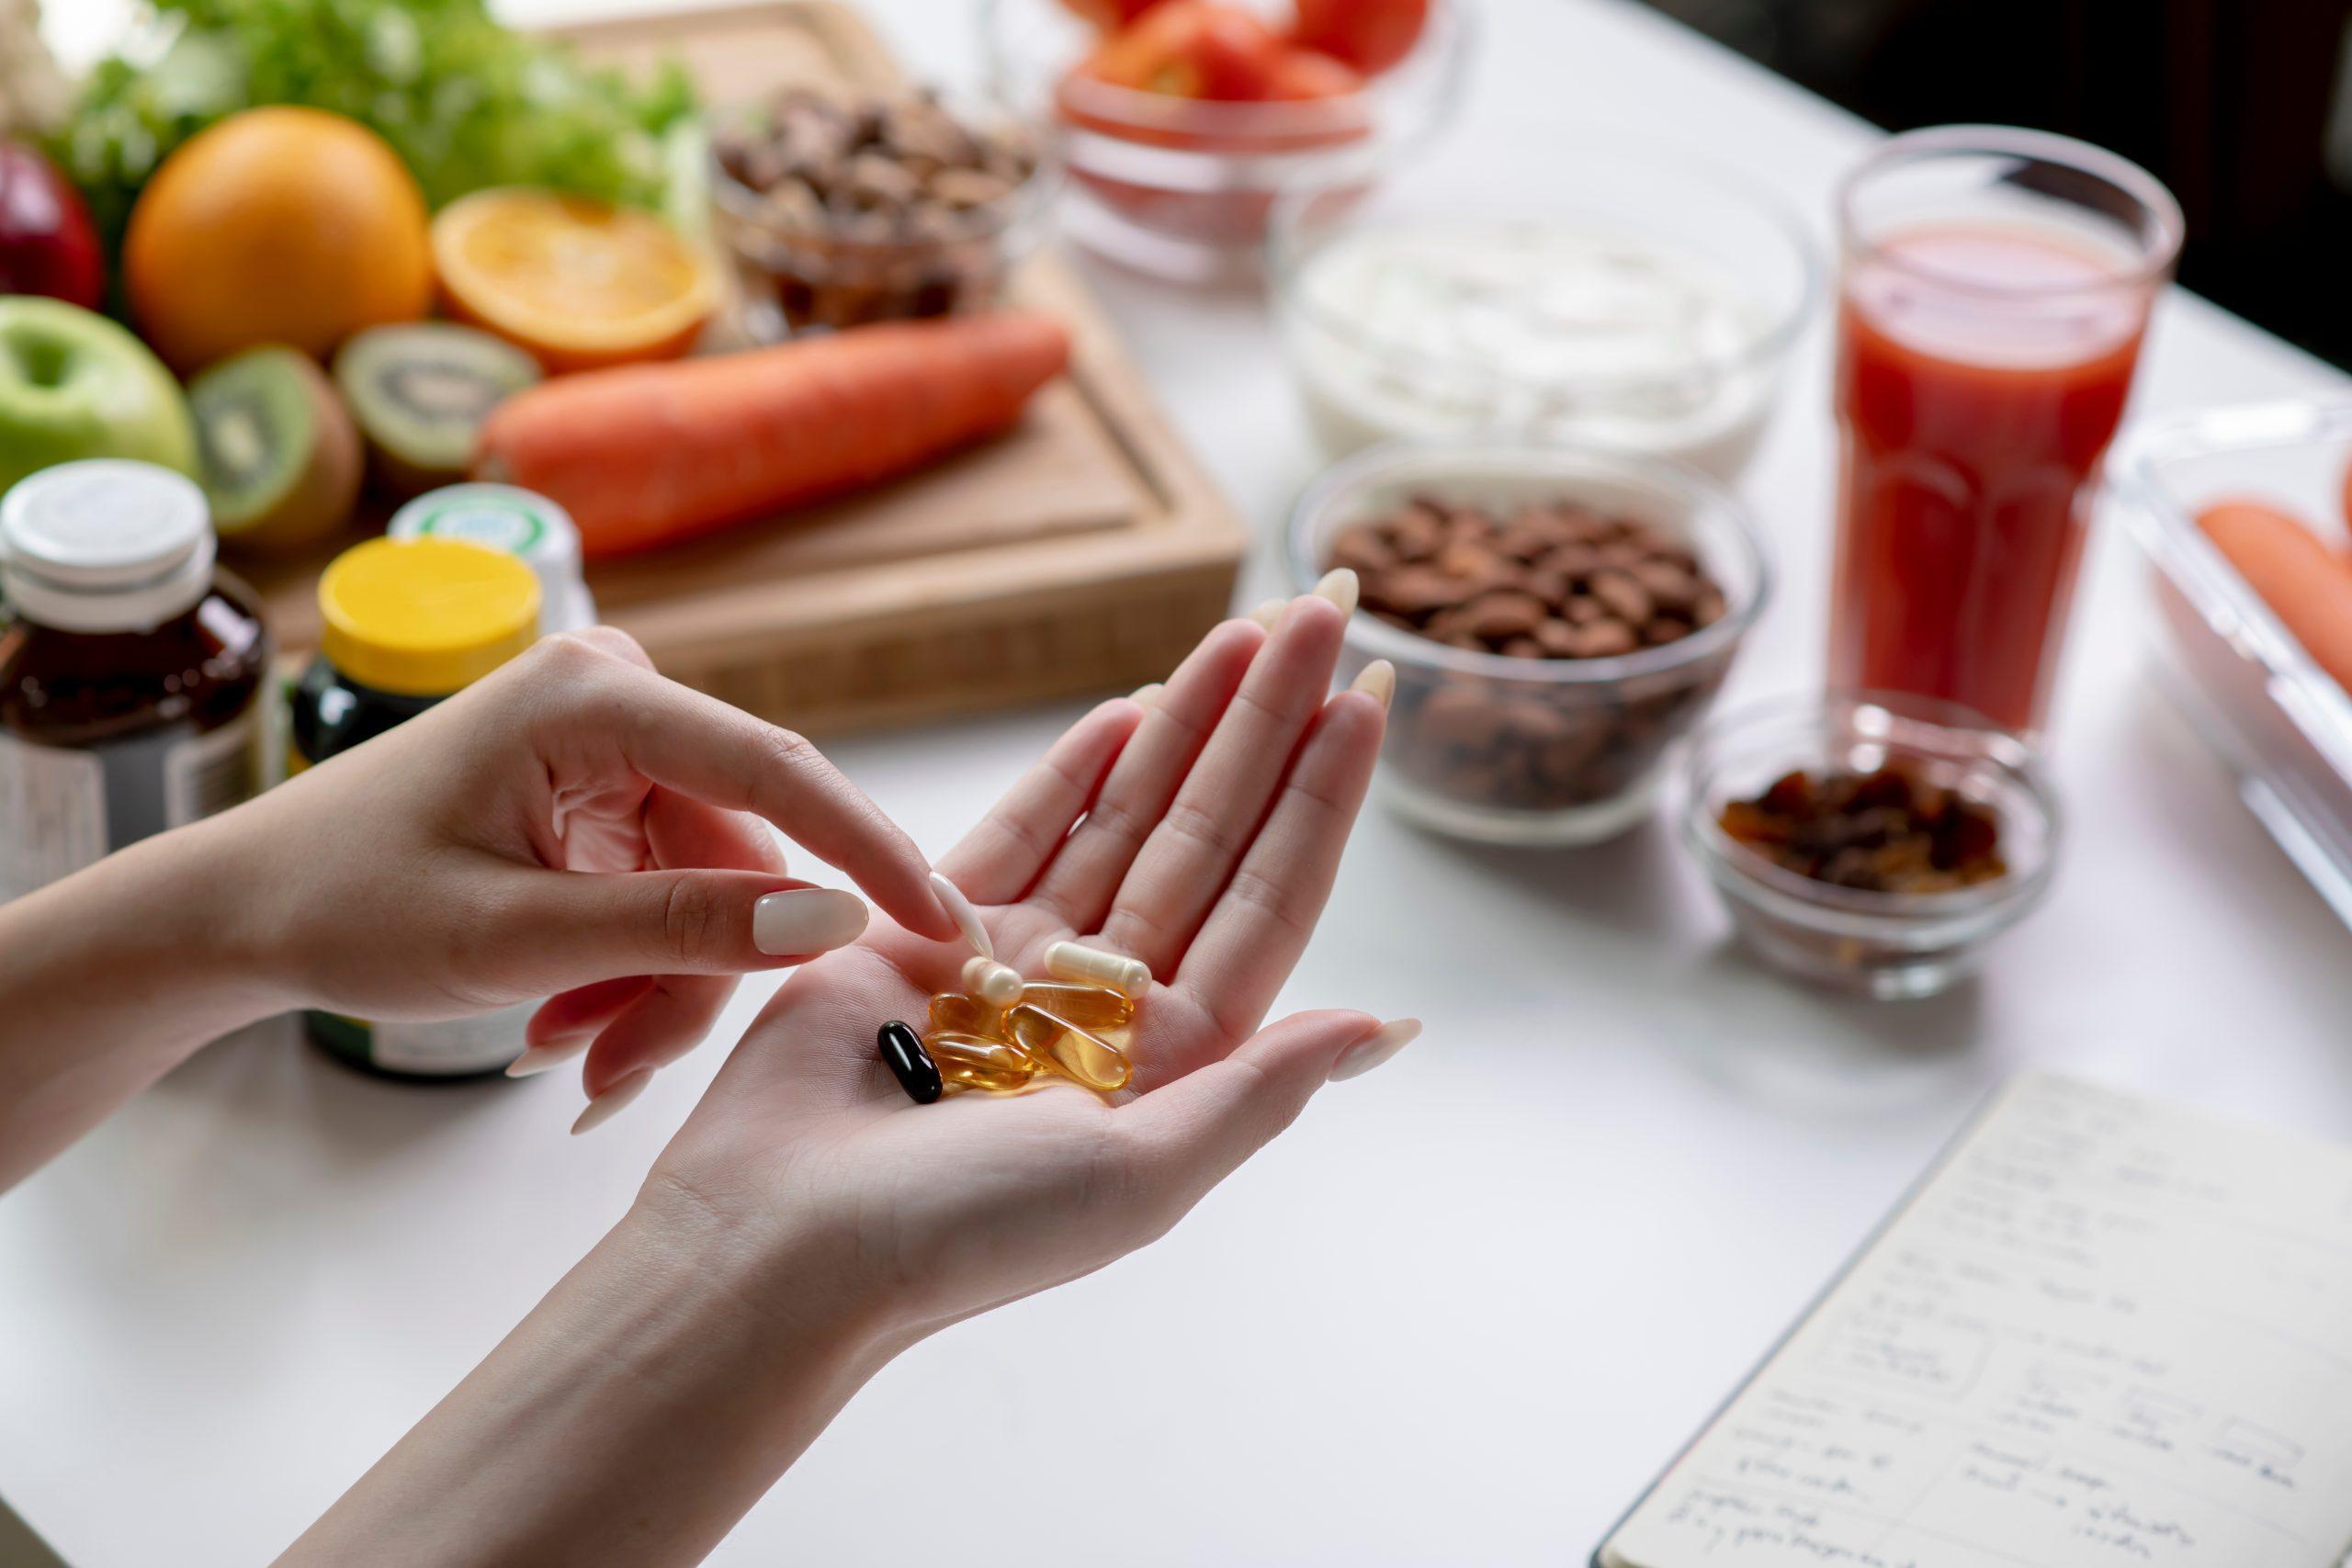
(132, 673)
(519, 522)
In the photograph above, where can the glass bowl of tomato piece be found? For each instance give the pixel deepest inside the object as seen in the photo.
(1178, 127)
(1870, 842)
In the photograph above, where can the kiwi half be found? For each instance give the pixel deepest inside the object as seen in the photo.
(420, 393)
(280, 455)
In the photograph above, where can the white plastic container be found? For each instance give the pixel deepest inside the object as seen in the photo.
(520, 522)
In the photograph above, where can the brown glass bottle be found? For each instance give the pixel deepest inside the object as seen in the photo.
(133, 672)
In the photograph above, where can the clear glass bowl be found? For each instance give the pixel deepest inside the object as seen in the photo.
(812, 270)
(1632, 297)
(2281, 723)
(1888, 945)
(1180, 187)
(1537, 751)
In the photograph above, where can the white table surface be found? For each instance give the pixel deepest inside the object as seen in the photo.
(1463, 1312)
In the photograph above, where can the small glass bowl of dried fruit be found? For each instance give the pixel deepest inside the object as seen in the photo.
(843, 208)
(1872, 842)
(1558, 620)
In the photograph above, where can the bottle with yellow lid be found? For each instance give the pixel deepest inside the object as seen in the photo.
(402, 624)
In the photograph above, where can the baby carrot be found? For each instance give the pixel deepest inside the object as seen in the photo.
(2307, 585)
(647, 455)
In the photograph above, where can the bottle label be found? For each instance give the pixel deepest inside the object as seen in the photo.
(52, 813)
(214, 771)
(63, 807)
(457, 1048)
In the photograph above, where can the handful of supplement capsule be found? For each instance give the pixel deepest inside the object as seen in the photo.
(1001, 1032)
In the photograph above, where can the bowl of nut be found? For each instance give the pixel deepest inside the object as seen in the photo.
(1558, 619)
(1872, 842)
(842, 208)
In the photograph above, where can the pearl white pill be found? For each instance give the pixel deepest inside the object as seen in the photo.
(1131, 977)
(968, 920)
(999, 985)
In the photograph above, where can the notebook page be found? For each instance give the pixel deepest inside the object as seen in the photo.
(2106, 1333)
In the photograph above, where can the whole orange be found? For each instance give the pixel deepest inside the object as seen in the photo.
(277, 225)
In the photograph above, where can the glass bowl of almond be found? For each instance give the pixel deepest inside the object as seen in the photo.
(1558, 620)
(842, 207)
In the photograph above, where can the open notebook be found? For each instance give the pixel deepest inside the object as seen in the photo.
(2102, 1332)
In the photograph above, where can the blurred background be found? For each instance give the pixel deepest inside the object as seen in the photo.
(2252, 131)
(2252, 128)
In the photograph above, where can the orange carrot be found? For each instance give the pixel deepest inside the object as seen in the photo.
(2307, 585)
(648, 455)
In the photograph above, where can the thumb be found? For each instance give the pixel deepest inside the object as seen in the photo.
(1195, 1131)
(594, 926)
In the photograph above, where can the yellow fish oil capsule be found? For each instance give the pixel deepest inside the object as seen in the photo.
(1088, 1007)
(974, 1062)
(1083, 1058)
(1131, 977)
(955, 1013)
(999, 985)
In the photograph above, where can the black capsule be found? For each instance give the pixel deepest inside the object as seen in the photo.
(917, 1072)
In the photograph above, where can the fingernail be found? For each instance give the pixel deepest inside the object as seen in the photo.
(1146, 694)
(1370, 1051)
(806, 919)
(613, 1101)
(1377, 681)
(539, 1058)
(966, 918)
(1267, 614)
(1340, 586)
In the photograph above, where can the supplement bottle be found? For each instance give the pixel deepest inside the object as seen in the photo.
(402, 624)
(131, 672)
(521, 522)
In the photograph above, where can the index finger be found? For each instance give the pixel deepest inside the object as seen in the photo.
(696, 745)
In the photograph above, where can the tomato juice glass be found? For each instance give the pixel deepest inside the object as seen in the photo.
(1996, 284)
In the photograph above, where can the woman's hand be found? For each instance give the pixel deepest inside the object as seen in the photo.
(808, 1222)
(1199, 832)
(435, 871)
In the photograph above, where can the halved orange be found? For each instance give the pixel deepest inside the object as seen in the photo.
(579, 283)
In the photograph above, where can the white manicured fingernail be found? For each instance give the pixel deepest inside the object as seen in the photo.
(1340, 586)
(539, 1058)
(1267, 614)
(1377, 681)
(1147, 696)
(806, 919)
(613, 1101)
(1373, 1049)
(966, 918)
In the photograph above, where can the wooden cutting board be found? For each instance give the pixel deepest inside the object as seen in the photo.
(1083, 552)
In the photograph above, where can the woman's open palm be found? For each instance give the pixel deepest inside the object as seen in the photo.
(1199, 830)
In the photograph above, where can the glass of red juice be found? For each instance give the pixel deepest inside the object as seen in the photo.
(1995, 289)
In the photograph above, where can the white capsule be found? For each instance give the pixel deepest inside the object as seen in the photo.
(1131, 977)
(968, 920)
(999, 985)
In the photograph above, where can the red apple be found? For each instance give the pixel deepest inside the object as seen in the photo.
(47, 243)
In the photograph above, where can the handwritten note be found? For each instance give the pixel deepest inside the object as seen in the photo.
(2106, 1333)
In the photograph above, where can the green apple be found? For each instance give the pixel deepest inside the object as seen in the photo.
(74, 384)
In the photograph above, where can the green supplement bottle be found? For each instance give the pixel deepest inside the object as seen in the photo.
(404, 624)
